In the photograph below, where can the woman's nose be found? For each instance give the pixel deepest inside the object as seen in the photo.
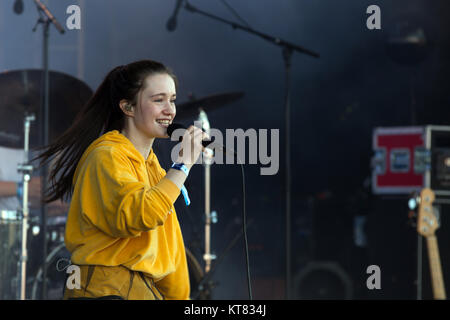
(170, 109)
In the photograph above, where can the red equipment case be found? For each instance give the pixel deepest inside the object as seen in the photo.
(408, 159)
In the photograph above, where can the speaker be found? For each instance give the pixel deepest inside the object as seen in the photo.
(323, 280)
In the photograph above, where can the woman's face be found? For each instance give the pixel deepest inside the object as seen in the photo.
(155, 108)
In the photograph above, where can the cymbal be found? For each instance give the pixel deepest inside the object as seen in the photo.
(208, 103)
(21, 94)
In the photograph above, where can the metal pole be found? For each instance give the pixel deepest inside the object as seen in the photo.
(46, 18)
(81, 43)
(207, 156)
(287, 54)
(26, 169)
(207, 218)
(45, 124)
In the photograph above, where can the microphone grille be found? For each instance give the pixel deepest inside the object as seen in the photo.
(174, 126)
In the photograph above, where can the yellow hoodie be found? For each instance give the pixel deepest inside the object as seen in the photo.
(122, 213)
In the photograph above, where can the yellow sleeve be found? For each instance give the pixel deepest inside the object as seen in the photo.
(176, 285)
(115, 201)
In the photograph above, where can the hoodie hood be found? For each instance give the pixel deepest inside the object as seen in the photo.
(117, 140)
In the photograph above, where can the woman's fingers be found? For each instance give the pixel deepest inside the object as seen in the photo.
(192, 144)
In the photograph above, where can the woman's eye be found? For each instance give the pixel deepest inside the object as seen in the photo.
(162, 100)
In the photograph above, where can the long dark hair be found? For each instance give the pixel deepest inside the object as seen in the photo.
(101, 114)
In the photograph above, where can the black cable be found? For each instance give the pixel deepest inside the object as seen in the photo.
(244, 225)
(244, 230)
(175, 126)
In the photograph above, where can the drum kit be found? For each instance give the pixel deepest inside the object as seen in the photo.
(23, 275)
(21, 235)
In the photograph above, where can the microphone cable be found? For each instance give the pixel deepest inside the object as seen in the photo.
(170, 130)
(244, 230)
(244, 225)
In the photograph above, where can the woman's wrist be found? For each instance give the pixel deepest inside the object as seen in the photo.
(186, 163)
(176, 176)
(182, 167)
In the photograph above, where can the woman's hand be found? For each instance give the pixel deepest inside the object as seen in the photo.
(191, 146)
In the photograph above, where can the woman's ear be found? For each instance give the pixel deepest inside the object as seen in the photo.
(126, 107)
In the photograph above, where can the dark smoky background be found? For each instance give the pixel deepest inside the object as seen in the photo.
(358, 83)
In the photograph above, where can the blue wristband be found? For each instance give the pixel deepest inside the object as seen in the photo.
(19, 189)
(185, 170)
(181, 167)
(185, 195)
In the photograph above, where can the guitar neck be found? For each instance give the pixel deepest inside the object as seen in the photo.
(435, 266)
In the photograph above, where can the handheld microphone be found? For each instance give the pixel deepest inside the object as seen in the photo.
(174, 126)
(18, 6)
(172, 22)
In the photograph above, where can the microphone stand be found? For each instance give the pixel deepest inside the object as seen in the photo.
(26, 169)
(46, 18)
(207, 160)
(205, 284)
(287, 49)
